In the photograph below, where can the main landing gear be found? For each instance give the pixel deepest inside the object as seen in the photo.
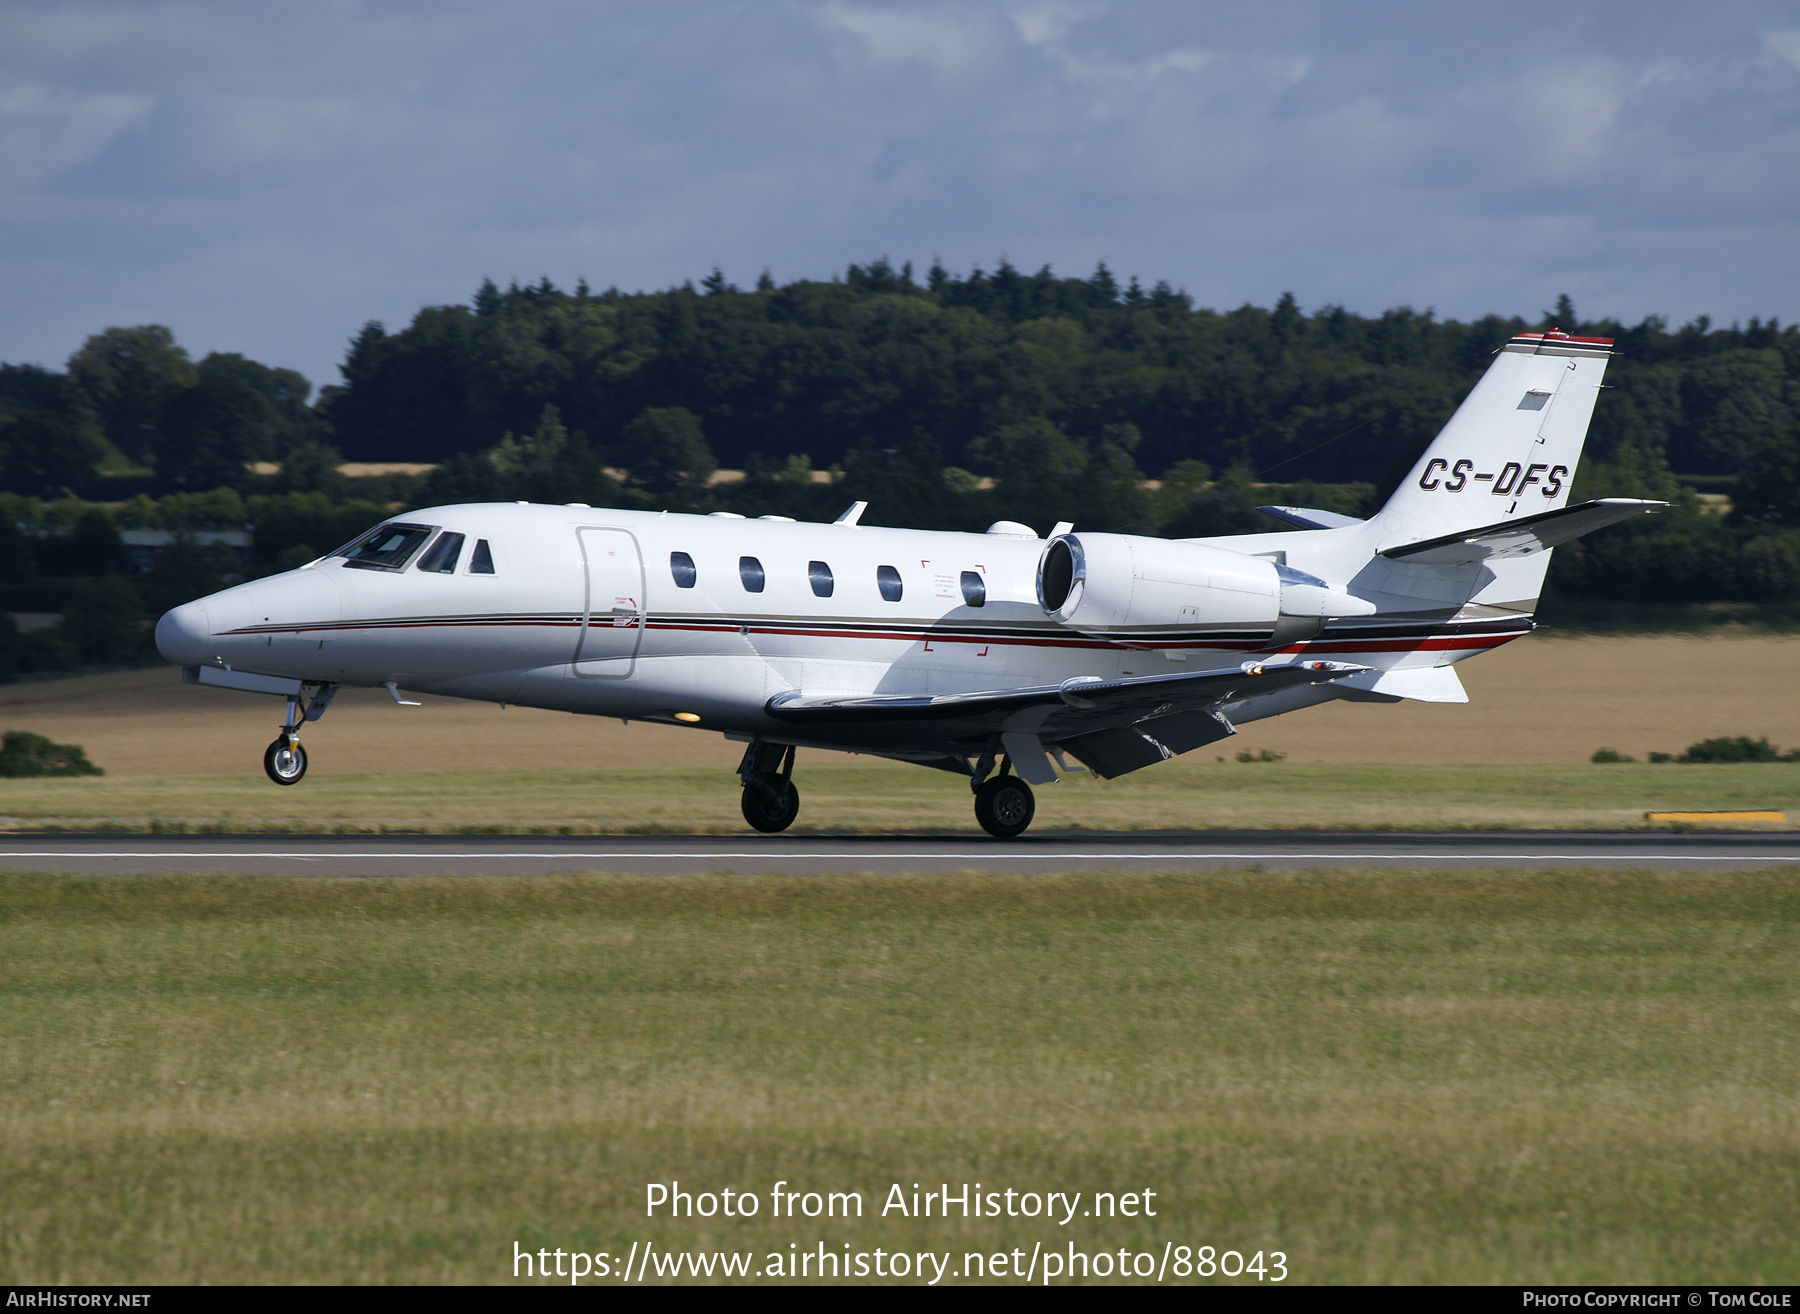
(285, 759)
(1004, 804)
(770, 800)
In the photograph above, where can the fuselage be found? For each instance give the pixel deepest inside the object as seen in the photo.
(700, 620)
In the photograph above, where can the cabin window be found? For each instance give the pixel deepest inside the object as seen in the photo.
(440, 557)
(481, 560)
(974, 588)
(751, 572)
(681, 566)
(818, 574)
(887, 579)
(387, 547)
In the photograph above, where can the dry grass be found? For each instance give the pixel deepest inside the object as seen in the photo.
(1536, 1076)
(863, 796)
(1536, 700)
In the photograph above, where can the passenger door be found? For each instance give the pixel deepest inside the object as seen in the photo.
(612, 622)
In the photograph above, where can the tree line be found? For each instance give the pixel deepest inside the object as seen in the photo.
(946, 401)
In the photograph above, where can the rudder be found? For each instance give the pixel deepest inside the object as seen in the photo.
(1512, 446)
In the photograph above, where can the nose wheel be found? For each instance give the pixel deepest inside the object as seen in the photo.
(285, 761)
(1005, 806)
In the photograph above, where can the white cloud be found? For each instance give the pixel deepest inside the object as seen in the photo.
(1566, 111)
(1047, 22)
(952, 41)
(1785, 44)
(45, 129)
(266, 177)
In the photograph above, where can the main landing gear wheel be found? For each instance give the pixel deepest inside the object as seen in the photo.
(1005, 806)
(770, 810)
(285, 764)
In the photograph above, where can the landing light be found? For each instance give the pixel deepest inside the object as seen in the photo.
(689, 717)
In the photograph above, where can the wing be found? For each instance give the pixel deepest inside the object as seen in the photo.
(1113, 726)
(1521, 537)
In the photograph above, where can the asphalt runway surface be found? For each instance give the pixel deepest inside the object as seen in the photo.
(1037, 852)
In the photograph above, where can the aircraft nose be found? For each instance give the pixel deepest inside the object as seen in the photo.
(181, 634)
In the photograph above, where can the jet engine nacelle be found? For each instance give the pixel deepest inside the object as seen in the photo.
(1120, 586)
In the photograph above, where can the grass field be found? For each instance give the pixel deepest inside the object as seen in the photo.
(1545, 1076)
(1539, 700)
(866, 796)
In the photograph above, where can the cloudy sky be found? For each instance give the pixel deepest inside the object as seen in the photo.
(266, 177)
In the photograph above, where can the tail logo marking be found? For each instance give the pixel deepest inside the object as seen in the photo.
(1512, 480)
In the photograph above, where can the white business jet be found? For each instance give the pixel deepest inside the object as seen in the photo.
(980, 654)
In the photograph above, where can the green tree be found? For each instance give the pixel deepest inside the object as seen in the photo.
(49, 440)
(211, 431)
(130, 375)
(664, 449)
(1771, 566)
(1227, 507)
(93, 547)
(1039, 471)
(548, 464)
(1728, 402)
(310, 467)
(307, 520)
(185, 570)
(1768, 490)
(25, 754)
(11, 648)
(18, 563)
(104, 620)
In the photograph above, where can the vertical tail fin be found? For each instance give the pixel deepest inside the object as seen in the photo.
(1510, 450)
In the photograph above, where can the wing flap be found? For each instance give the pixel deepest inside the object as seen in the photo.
(1425, 684)
(1057, 712)
(1523, 536)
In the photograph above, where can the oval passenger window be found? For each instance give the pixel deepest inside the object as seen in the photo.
(751, 572)
(681, 566)
(974, 588)
(818, 574)
(887, 579)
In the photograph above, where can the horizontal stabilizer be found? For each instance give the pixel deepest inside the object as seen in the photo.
(1305, 517)
(1520, 537)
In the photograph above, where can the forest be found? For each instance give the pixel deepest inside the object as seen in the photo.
(945, 401)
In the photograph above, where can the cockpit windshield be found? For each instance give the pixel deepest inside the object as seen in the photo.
(387, 547)
(440, 559)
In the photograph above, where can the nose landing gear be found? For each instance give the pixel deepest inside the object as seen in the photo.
(285, 760)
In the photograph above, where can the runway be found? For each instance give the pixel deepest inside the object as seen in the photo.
(1038, 853)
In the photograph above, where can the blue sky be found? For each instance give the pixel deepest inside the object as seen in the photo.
(266, 177)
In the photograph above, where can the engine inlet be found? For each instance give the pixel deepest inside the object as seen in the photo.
(1058, 570)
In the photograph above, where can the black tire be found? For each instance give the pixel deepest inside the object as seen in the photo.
(1005, 806)
(771, 815)
(285, 768)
